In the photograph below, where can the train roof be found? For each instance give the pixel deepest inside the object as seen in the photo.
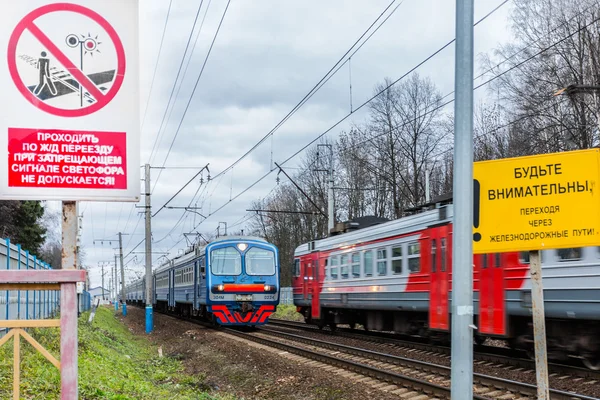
(401, 226)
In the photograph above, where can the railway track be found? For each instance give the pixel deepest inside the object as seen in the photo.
(425, 378)
(482, 354)
(410, 379)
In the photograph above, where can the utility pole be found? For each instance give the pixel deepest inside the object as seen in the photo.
(116, 292)
(330, 199)
(461, 387)
(149, 316)
(102, 266)
(122, 274)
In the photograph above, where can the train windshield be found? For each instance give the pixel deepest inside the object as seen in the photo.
(260, 262)
(226, 261)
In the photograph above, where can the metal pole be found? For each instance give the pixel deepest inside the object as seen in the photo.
(122, 275)
(330, 199)
(149, 316)
(462, 246)
(102, 266)
(427, 196)
(539, 325)
(116, 292)
(68, 293)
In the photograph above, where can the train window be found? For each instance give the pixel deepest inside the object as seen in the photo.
(381, 262)
(397, 260)
(443, 254)
(484, 261)
(225, 261)
(524, 257)
(368, 260)
(355, 265)
(297, 267)
(327, 277)
(497, 260)
(433, 256)
(260, 262)
(344, 266)
(414, 257)
(571, 254)
(334, 267)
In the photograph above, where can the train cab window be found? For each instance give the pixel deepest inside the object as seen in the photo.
(381, 262)
(355, 265)
(433, 256)
(443, 254)
(225, 261)
(260, 262)
(397, 259)
(571, 254)
(344, 266)
(296, 268)
(334, 267)
(414, 257)
(368, 260)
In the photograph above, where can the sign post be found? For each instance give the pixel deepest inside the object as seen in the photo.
(69, 119)
(548, 201)
(462, 246)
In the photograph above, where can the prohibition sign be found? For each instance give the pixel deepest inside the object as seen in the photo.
(28, 23)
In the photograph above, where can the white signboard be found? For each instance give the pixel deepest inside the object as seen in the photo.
(69, 110)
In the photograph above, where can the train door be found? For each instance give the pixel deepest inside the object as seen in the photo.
(439, 246)
(307, 276)
(315, 287)
(171, 293)
(492, 311)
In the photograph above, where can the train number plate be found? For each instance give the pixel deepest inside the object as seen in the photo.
(243, 297)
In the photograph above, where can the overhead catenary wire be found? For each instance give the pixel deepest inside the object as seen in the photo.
(193, 92)
(317, 86)
(340, 63)
(159, 137)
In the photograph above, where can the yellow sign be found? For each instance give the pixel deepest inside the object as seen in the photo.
(547, 201)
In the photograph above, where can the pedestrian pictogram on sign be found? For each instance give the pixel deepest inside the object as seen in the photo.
(69, 110)
(68, 75)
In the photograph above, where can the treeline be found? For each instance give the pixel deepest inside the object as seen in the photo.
(22, 223)
(381, 163)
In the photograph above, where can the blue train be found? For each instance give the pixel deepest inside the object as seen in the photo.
(230, 281)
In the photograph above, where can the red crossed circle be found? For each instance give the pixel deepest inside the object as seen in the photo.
(28, 23)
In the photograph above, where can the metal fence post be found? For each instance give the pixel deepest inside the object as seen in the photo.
(7, 240)
(18, 291)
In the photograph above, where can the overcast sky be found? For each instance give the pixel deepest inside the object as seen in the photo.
(267, 56)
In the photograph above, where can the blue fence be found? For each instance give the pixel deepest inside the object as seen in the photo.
(29, 304)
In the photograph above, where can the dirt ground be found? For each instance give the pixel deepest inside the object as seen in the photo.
(230, 366)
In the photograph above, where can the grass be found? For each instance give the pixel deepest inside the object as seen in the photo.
(113, 365)
(287, 312)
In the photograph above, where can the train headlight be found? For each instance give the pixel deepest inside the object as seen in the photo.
(220, 288)
(268, 288)
(242, 246)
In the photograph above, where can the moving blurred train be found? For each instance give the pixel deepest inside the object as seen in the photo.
(230, 281)
(397, 276)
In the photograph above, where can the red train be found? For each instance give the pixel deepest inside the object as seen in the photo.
(397, 276)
